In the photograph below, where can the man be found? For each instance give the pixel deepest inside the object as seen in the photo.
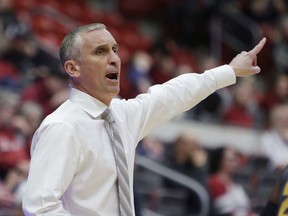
(73, 170)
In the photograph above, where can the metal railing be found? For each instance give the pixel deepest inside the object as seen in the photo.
(179, 178)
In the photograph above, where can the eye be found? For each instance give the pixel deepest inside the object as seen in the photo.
(115, 49)
(101, 51)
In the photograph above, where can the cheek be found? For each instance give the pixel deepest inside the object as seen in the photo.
(90, 69)
(93, 79)
(92, 72)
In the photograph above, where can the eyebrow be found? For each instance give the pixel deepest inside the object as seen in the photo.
(104, 46)
(116, 45)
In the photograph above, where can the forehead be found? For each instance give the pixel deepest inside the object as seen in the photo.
(96, 38)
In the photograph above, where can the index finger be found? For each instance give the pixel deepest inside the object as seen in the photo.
(258, 47)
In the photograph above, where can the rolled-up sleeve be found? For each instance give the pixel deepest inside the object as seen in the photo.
(163, 102)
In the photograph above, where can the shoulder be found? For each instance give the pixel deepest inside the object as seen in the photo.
(216, 186)
(65, 113)
(65, 118)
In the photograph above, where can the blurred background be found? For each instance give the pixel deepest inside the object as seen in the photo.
(220, 158)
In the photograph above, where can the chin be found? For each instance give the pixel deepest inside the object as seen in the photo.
(115, 92)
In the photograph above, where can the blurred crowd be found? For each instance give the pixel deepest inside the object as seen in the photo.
(33, 84)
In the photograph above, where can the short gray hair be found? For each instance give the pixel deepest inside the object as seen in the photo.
(71, 44)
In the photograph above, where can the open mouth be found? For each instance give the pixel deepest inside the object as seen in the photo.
(112, 76)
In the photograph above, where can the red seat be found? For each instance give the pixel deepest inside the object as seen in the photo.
(72, 10)
(41, 23)
(91, 16)
(23, 5)
(54, 4)
(8, 70)
(114, 20)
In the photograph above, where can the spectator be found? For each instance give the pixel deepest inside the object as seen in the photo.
(152, 148)
(244, 108)
(262, 11)
(277, 94)
(49, 91)
(13, 157)
(10, 26)
(29, 59)
(12, 188)
(274, 142)
(228, 197)
(164, 65)
(188, 157)
(27, 120)
(138, 72)
(211, 108)
(280, 44)
(12, 141)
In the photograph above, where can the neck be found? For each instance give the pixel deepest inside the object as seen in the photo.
(104, 100)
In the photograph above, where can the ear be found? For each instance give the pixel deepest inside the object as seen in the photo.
(72, 68)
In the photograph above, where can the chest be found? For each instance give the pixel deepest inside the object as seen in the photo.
(97, 147)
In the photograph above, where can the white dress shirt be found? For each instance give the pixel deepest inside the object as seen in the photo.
(275, 148)
(73, 170)
(235, 201)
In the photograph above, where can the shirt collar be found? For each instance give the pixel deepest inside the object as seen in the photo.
(89, 104)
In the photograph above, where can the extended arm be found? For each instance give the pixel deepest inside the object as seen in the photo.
(163, 102)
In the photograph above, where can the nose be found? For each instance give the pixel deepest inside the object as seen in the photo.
(114, 59)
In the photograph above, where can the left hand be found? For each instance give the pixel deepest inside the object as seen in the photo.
(245, 63)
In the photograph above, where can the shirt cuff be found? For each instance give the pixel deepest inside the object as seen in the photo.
(224, 76)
